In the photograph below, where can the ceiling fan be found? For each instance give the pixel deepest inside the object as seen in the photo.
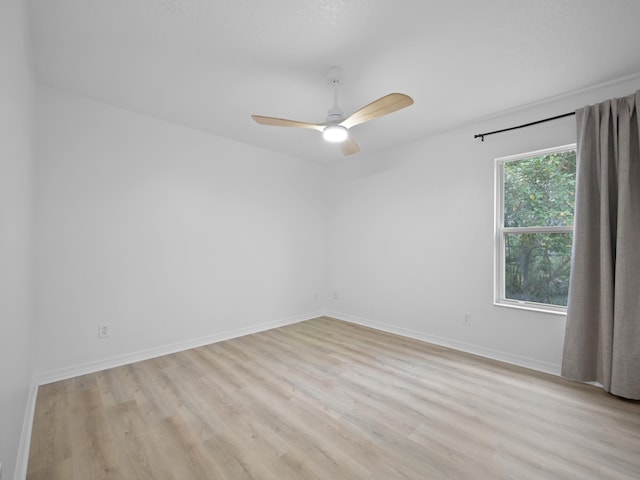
(336, 127)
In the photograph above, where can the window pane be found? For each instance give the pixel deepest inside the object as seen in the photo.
(540, 191)
(537, 267)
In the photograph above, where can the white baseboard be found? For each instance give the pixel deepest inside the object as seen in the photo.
(117, 361)
(22, 460)
(506, 357)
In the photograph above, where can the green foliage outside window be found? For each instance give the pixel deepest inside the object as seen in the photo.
(539, 192)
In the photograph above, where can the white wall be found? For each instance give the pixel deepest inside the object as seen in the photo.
(177, 237)
(16, 92)
(170, 234)
(411, 237)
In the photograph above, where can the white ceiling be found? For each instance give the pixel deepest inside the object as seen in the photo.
(210, 64)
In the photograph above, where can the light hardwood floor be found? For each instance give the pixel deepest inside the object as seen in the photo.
(324, 399)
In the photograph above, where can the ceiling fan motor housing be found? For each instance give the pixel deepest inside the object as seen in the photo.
(335, 115)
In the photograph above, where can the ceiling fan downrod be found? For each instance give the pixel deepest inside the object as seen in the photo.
(335, 114)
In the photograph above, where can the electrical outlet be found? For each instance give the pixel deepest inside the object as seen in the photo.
(466, 320)
(316, 296)
(104, 330)
(335, 295)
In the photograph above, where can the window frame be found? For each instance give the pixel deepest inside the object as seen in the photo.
(500, 232)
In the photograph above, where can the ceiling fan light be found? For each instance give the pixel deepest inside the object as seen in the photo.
(335, 133)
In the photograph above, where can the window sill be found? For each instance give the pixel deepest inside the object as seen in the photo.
(532, 307)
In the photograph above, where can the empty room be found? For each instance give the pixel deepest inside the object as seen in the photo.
(319, 239)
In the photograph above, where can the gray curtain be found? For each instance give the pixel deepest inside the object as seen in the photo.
(602, 341)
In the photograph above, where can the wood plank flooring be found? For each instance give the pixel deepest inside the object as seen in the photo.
(324, 399)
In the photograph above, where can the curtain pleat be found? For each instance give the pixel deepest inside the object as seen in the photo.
(602, 340)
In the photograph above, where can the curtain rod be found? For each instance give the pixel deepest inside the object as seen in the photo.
(482, 135)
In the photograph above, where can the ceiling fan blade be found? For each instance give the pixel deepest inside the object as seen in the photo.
(281, 122)
(349, 147)
(378, 108)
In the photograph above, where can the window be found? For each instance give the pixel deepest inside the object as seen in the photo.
(535, 197)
